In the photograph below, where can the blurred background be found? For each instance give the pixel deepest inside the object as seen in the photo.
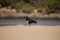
(45, 12)
(31, 8)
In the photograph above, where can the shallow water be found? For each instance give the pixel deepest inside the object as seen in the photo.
(48, 22)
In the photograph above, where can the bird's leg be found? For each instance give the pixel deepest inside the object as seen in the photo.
(29, 25)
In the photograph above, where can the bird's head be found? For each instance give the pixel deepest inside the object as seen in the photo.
(27, 18)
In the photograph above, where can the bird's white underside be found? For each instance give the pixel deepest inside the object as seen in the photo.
(27, 22)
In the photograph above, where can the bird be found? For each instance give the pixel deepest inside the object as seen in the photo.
(30, 21)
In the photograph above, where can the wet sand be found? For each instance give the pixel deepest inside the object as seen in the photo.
(21, 32)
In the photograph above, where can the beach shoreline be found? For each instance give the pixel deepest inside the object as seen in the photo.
(34, 32)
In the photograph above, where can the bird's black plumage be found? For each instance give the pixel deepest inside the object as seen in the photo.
(30, 21)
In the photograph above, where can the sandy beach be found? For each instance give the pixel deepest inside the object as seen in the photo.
(21, 32)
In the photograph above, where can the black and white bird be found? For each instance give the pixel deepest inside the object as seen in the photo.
(30, 21)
